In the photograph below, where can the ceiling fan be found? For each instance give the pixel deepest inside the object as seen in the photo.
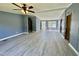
(24, 8)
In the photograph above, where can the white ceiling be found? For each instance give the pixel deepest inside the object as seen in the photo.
(39, 9)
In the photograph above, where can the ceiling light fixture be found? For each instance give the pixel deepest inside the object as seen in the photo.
(24, 12)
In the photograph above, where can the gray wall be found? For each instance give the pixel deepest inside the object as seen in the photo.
(33, 22)
(59, 25)
(37, 24)
(74, 25)
(10, 24)
(63, 22)
(78, 39)
(25, 18)
(74, 30)
(74, 39)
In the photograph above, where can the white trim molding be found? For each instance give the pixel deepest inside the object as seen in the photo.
(74, 49)
(25, 32)
(11, 36)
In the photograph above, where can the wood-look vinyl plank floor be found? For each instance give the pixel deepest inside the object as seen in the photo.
(43, 43)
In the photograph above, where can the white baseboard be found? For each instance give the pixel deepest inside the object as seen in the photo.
(11, 36)
(74, 49)
(25, 33)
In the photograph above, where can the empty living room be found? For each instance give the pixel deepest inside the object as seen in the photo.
(39, 29)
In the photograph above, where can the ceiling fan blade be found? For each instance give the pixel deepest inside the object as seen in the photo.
(30, 7)
(17, 9)
(16, 5)
(30, 11)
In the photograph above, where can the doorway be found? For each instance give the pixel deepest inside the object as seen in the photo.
(68, 25)
(61, 26)
(30, 29)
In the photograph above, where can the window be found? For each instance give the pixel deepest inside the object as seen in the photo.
(52, 24)
(49, 24)
(43, 25)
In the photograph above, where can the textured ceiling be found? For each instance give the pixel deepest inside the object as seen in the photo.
(39, 8)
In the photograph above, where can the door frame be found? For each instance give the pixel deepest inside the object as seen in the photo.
(68, 27)
(61, 26)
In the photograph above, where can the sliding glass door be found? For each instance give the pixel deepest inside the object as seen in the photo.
(49, 24)
(52, 25)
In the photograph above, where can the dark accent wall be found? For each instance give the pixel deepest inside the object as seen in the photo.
(10, 24)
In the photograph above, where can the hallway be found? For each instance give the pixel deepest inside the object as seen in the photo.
(48, 43)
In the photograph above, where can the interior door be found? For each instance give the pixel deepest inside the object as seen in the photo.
(68, 25)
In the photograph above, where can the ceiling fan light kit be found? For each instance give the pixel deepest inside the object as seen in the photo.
(23, 11)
